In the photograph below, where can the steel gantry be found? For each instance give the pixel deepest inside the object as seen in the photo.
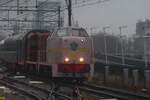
(19, 15)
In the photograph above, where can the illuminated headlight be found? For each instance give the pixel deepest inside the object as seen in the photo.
(81, 59)
(82, 40)
(67, 59)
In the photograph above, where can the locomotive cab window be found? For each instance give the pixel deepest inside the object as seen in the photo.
(72, 32)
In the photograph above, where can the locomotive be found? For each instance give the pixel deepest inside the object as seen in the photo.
(63, 53)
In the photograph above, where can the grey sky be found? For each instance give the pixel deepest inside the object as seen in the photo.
(113, 13)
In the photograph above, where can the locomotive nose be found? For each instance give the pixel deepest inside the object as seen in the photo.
(74, 46)
(73, 43)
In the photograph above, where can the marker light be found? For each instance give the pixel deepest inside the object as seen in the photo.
(81, 59)
(66, 59)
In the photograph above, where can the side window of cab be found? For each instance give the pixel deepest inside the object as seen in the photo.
(62, 33)
(83, 33)
(79, 32)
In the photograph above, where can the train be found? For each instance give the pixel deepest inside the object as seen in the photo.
(64, 53)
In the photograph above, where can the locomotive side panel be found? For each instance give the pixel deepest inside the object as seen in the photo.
(36, 42)
(2, 50)
(21, 51)
(10, 51)
(53, 53)
(53, 50)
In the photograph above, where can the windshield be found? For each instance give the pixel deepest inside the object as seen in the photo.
(79, 32)
(73, 32)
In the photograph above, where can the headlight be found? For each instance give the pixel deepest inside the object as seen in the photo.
(82, 40)
(81, 59)
(67, 59)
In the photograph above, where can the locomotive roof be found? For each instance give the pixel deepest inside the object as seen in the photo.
(2, 41)
(22, 35)
(71, 28)
(38, 30)
(14, 37)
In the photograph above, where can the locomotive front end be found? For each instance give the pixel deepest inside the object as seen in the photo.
(73, 53)
(76, 56)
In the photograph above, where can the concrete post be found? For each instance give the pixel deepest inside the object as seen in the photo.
(126, 77)
(91, 72)
(135, 78)
(106, 74)
(147, 79)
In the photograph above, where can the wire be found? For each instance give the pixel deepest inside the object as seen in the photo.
(85, 3)
(25, 4)
(90, 4)
(6, 2)
(43, 3)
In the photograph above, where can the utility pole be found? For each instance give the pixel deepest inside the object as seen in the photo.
(145, 46)
(117, 47)
(122, 47)
(8, 18)
(69, 5)
(17, 7)
(36, 3)
(59, 17)
(105, 43)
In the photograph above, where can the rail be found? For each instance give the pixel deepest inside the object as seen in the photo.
(111, 92)
(11, 82)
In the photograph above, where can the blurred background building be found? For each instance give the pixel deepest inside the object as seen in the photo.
(142, 38)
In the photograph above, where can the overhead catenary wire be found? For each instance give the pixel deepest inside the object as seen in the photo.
(90, 4)
(4, 3)
(85, 3)
(23, 6)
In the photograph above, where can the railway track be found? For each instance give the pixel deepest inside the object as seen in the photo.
(107, 92)
(34, 92)
(22, 91)
(111, 92)
(65, 97)
(87, 88)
